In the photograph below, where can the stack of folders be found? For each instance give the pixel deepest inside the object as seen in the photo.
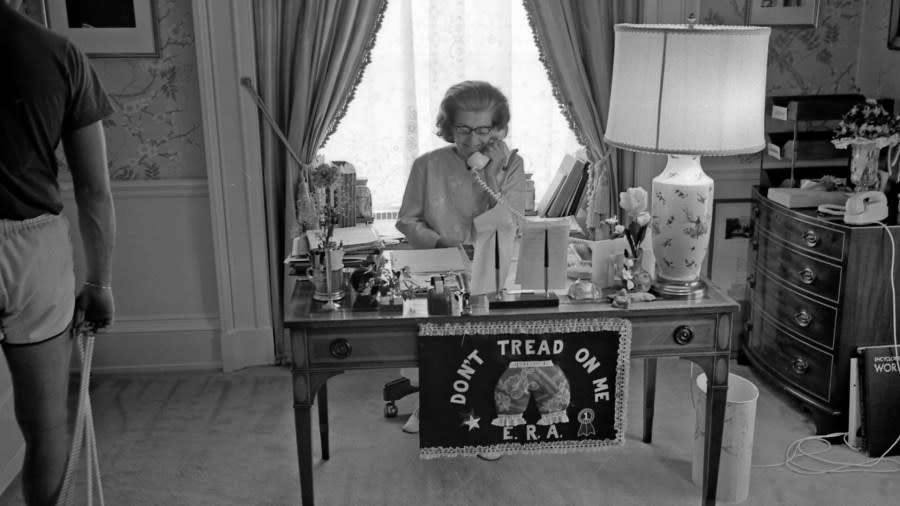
(567, 191)
(875, 400)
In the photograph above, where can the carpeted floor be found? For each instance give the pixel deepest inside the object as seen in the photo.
(221, 439)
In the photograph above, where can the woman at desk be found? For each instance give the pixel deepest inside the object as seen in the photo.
(445, 198)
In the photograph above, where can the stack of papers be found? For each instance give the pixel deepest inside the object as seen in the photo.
(430, 261)
(358, 239)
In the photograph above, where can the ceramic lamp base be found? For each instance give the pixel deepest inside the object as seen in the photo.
(679, 289)
(682, 202)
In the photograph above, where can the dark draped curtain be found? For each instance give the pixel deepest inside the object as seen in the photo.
(575, 39)
(311, 55)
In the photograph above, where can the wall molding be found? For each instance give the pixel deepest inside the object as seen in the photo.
(149, 188)
(224, 41)
(164, 323)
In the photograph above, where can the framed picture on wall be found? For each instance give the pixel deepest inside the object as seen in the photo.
(894, 26)
(783, 12)
(107, 28)
(729, 240)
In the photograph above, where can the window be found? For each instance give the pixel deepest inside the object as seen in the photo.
(424, 47)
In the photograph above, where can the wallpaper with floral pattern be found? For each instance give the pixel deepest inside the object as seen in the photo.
(155, 131)
(804, 60)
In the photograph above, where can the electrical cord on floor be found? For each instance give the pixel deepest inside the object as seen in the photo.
(796, 451)
(810, 462)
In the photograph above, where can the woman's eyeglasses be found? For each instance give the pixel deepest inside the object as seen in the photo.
(466, 130)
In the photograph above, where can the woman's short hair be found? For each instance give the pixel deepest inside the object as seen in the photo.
(471, 96)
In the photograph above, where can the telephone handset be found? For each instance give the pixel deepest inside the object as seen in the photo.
(476, 162)
(861, 208)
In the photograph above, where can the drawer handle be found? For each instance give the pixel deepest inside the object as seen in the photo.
(803, 318)
(810, 238)
(683, 334)
(799, 365)
(340, 348)
(807, 276)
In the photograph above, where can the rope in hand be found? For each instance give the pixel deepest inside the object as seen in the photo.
(84, 425)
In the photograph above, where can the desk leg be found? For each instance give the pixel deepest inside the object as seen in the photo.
(323, 419)
(304, 452)
(306, 385)
(649, 397)
(716, 369)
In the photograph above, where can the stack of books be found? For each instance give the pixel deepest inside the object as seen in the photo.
(568, 189)
(874, 400)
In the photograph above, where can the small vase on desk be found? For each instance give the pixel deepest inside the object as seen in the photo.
(327, 288)
(864, 166)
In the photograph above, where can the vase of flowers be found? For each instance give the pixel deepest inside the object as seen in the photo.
(633, 265)
(326, 256)
(867, 128)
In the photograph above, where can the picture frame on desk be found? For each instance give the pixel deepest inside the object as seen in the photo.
(727, 258)
(127, 31)
(783, 12)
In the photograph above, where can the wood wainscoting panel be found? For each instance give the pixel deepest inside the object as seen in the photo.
(163, 275)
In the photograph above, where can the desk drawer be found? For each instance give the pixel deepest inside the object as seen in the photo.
(800, 314)
(659, 334)
(379, 345)
(800, 270)
(796, 362)
(801, 234)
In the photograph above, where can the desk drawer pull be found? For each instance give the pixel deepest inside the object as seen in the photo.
(340, 348)
(810, 238)
(807, 276)
(803, 318)
(800, 366)
(683, 334)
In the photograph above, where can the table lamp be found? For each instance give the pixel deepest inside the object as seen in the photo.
(686, 91)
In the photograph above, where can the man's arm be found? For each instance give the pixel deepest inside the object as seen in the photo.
(86, 153)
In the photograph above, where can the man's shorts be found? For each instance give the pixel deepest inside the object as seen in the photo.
(37, 279)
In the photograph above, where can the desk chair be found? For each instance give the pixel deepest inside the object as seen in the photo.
(395, 390)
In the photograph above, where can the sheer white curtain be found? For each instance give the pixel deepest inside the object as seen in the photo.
(424, 47)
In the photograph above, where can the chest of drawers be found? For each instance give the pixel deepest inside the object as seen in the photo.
(819, 289)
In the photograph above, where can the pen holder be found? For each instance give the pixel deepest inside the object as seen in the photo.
(326, 289)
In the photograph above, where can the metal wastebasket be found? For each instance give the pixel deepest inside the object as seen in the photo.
(737, 437)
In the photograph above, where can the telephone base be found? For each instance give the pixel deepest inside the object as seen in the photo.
(522, 300)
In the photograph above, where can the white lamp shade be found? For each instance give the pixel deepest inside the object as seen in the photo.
(688, 90)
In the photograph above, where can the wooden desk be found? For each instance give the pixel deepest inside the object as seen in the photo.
(326, 344)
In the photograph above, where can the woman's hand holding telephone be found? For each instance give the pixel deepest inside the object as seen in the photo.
(490, 160)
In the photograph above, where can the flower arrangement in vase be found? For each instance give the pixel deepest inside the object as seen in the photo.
(634, 266)
(324, 179)
(868, 128)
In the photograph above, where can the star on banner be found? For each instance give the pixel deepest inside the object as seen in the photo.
(472, 422)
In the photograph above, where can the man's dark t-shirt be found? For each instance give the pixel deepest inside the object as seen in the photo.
(49, 89)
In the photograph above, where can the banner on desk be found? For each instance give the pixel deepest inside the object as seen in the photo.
(541, 386)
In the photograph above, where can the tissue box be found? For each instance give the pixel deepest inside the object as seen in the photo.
(797, 197)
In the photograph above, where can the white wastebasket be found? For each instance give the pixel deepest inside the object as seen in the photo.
(737, 438)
